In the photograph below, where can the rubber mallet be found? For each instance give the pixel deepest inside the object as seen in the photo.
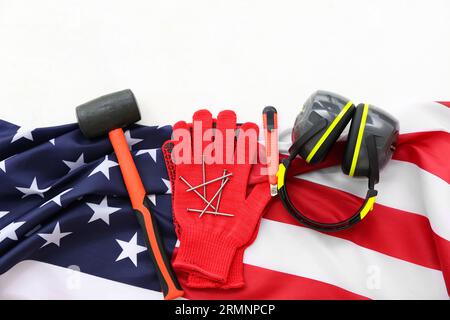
(108, 115)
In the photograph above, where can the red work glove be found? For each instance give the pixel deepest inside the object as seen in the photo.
(209, 244)
(235, 277)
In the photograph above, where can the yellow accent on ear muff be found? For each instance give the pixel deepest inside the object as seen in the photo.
(368, 207)
(328, 131)
(362, 125)
(280, 174)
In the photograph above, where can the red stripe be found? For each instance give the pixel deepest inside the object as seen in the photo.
(386, 230)
(428, 150)
(265, 284)
(445, 103)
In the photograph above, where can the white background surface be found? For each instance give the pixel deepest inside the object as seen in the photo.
(179, 56)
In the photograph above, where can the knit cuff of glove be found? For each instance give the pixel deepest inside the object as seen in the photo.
(206, 253)
(234, 280)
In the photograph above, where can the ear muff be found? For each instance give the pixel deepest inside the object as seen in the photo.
(327, 114)
(355, 162)
(384, 129)
(371, 140)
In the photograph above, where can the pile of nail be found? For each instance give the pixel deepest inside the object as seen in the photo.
(209, 203)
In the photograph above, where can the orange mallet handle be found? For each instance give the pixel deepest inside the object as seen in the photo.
(169, 283)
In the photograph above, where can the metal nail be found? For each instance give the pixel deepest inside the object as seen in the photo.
(196, 192)
(210, 181)
(212, 212)
(220, 194)
(204, 176)
(217, 193)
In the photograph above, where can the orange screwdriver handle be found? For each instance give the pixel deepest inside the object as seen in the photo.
(167, 278)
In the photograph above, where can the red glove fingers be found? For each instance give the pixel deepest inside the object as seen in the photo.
(208, 244)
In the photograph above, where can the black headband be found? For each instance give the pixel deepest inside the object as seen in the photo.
(355, 218)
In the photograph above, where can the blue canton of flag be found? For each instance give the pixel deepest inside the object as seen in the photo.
(63, 201)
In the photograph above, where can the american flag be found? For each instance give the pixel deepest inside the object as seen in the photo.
(63, 203)
(68, 231)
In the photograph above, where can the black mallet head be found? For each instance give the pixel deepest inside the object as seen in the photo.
(115, 110)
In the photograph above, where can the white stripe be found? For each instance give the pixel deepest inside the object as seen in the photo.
(419, 117)
(307, 253)
(38, 280)
(403, 186)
